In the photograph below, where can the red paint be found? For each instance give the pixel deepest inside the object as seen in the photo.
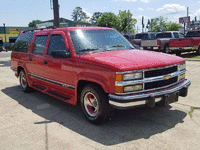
(99, 68)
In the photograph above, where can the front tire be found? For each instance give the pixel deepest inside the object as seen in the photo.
(198, 51)
(23, 82)
(95, 105)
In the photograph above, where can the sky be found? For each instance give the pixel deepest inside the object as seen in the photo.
(21, 12)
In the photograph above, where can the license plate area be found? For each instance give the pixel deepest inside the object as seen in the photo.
(170, 98)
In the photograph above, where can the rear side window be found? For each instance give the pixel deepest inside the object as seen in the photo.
(23, 41)
(39, 45)
(193, 34)
(164, 35)
(176, 35)
(56, 43)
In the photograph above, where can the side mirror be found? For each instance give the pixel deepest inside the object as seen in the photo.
(61, 54)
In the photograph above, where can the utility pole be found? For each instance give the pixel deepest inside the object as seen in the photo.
(4, 31)
(56, 13)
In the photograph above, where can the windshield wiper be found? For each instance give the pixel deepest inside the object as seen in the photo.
(118, 46)
(87, 49)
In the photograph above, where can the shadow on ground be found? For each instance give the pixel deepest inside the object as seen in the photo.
(125, 126)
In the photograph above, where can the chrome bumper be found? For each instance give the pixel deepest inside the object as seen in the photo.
(142, 99)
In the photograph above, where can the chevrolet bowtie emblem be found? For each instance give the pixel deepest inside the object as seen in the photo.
(167, 77)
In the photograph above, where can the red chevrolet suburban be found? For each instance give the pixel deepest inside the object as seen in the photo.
(97, 67)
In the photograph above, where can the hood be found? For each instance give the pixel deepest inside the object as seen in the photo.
(127, 60)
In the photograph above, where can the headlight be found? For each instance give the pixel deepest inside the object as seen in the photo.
(181, 66)
(129, 76)
(182, 76)
(133, 88)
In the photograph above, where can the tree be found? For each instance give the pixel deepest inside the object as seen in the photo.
(108, 19)
(95, 17)
(33, 23)
(79, 15)
(173, 26)
(127, 22)
(158, 24)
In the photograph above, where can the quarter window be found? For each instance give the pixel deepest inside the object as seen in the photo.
(39, 44)
(56, 43)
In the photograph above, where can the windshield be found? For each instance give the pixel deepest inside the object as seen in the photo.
(87, 41)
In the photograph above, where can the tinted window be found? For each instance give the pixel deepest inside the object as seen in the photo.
(39, 44)
(193, 34)
(141, 36)
(176, 35)
(23, 41)
(56, 43)
(164, 35)
(153, 36)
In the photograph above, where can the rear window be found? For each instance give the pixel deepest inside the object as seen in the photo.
(164, 35)
(193, 34)
(23, 41)
(141, 36)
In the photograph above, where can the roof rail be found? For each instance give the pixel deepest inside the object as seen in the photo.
(50, 27)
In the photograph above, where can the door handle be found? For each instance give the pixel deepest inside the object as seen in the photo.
(30, 59)
(45, 61)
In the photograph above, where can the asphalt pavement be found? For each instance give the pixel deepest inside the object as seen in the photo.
(35, 121)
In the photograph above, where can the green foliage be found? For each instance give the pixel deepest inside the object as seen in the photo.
(158, 24)
(33, 23)
(173, 26)
(79, 15)
(161, 24)
(124, 22)
(127, 22)
(108, 19)
(95, 17)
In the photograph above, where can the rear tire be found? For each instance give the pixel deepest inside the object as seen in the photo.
(178, 53)
(95, 105)
(23, 82)
(167, 50)
(198, 51)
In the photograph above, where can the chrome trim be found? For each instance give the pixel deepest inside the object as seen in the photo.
(182, 48)
(146, 80)
(150, 69)
(184, 84)
(55, 82)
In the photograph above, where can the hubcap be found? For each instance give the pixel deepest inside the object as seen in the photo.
(91, 104)
(23, 80)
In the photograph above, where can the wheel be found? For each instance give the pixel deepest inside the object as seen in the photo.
(167, 50)
(178, 53)
(23, 82)
(198, 51)
(95, 105)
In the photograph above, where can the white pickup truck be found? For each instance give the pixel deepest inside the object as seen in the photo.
(161, 43)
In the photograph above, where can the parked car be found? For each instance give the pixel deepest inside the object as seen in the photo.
(130, 37)
(161, 42)
(143, 36)
(190, 43)
(98, 68)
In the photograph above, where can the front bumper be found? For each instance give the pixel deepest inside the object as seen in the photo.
(149, 98)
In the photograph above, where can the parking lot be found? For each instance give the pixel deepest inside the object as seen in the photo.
(38, 121)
